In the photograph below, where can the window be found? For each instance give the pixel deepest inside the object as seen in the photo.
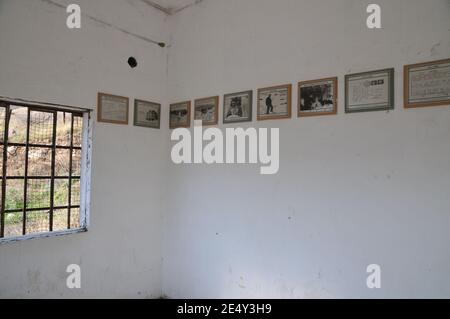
(43, 166)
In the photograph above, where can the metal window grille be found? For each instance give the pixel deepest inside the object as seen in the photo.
(40, 165)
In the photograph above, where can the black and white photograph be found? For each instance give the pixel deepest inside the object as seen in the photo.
(369, 91)
(237, 107)
(317, 97)
(180, 115)
(207, 110)
(275, 102)
(147, 114)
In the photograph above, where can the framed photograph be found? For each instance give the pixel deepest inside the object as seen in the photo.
(112, 109)
(180, 115)
(147, 114)
(207, 110)
(427, 84)
(318, 97)
(369, 91)
(237, 107)
(275, 102)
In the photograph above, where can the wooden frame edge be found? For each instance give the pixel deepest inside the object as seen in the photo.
(335, 80)
(136, 101)
(275, 117)
(406, 69)
(188, 125)
(99, 109)
(217, 100)
(251, 108)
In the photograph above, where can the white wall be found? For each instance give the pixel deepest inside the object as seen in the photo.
(352, 189)
(40, 59)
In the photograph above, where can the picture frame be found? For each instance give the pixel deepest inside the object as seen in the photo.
(180, 115)
(427, 84)
(147, 114)
(274, 102)
(238, 107)
(113, 109)
(318, 97)
(207, 110)
(370, 91)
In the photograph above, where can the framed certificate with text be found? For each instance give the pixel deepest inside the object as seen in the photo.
(112, 109)
(369, 91)
(427, 84)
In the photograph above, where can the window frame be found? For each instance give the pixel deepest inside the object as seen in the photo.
(85, 170)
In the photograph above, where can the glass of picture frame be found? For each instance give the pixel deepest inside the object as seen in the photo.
(318, 97)
(369, 91)
(275, 102)
(207, 110)
(237, 107)
(180, 115)
(427, 84)
(147, 114)
(112, 109)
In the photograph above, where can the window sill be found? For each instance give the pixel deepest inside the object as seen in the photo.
(4, 241)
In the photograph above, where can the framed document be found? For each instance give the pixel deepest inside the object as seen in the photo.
(318, 97)
(207, 110)
(237, 107)
(112, 109)
(180, 115)
(275, 102)
(147, 114)
(427, 84)
(369, 91)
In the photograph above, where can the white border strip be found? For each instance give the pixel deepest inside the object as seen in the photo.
(4, 241)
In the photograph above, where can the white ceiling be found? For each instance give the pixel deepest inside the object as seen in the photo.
(174, 5)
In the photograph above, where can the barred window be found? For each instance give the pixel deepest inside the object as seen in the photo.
(41, 153)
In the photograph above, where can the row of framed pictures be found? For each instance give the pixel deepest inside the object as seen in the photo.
(425, 84)
(114, 109)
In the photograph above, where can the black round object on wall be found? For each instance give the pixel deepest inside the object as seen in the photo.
(132, 62)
